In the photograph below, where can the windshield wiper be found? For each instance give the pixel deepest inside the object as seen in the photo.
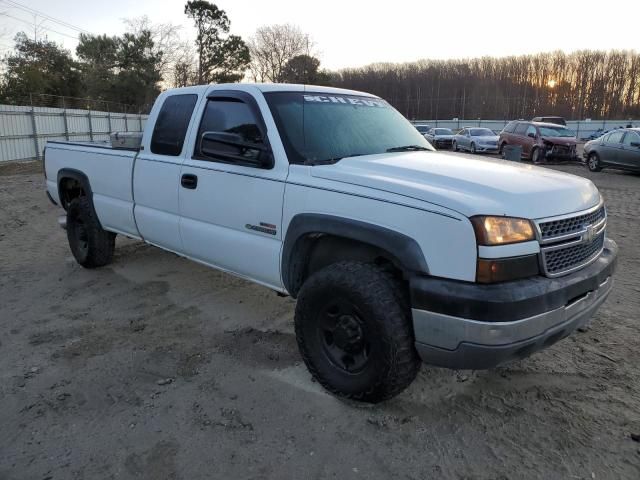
(331, 161)
(407, 148)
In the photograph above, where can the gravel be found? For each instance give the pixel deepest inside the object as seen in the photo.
(156, 367)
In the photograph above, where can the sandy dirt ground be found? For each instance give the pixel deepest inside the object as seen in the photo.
(156, 367)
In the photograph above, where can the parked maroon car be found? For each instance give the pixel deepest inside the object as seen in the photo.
(539, 141)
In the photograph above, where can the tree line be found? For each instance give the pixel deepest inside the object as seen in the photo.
(583, 84)
(134, 67)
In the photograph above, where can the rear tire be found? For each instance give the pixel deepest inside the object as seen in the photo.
(353, 327)
(593, 162)
(91, 245)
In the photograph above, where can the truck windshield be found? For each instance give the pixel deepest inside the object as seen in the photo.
(482, 132)
(326, 127)
(556, 132)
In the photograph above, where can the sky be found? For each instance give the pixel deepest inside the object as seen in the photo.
(356, 33)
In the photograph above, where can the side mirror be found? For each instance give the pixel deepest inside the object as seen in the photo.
(532, 135)
(235, 148)
(635, 144)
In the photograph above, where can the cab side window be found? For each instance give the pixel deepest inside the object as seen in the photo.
(521, 129)
(171, 125)
(230, 132)
(511, 126)
(614, 138)
(630, 138)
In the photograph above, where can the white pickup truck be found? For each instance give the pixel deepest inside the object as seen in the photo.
(395, 253)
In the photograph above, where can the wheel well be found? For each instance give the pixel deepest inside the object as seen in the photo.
(315, 251)
(68, 189)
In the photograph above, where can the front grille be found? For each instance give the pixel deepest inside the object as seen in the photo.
(566, 226)
(562, 150)
(564, 259)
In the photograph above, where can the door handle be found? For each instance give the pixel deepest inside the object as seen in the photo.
(189, 181)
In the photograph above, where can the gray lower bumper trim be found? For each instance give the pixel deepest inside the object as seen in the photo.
(460, 343)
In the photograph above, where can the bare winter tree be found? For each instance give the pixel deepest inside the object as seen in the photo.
(272, 47)
(185, 68)
(582, 84)
(166, 42)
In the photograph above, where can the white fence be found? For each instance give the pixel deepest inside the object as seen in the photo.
(582, 128)
(24, 131)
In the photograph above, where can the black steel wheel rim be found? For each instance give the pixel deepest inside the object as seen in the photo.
(343, 336)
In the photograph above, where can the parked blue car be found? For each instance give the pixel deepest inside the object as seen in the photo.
(476, 140)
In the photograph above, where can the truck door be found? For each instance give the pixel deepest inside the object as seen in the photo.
(231, 190)
(611, 147)
(529, 140)
(518, 136)
(156, 173)
(629, 154)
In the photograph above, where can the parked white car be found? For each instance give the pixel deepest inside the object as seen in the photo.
(422, 128)
(476, 140)
(395, 253)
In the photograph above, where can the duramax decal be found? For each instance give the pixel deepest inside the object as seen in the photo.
(268, 228)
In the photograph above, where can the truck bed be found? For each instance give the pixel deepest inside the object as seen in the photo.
(110, 173)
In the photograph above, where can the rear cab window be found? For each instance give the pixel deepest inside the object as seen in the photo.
(172, 123)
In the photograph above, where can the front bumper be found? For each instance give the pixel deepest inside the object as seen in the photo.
(443, 143)
(560, 153)
(474, 326)
(487, 148)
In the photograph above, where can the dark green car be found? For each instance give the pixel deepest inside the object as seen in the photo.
(617, 149)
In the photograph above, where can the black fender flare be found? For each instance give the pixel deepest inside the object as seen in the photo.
(83, 180)
(78, 176)
(404, 250)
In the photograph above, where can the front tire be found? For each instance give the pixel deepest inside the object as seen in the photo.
(353, 327)
(535, 155)
(501, 149)
(91, 245)
(593, 162)
(473, 148)
(455, 146)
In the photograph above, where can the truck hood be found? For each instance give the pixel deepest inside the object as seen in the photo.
(470, 186)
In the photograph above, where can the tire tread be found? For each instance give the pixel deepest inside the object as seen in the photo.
(384, 294)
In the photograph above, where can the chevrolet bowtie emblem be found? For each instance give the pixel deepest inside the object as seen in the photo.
(589, 234)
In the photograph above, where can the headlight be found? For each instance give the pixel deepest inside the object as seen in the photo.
(502, 230)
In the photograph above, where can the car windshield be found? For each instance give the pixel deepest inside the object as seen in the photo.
(556, 132)
(481, 132)
(326, 127)
(422, 128)
(442, 131)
